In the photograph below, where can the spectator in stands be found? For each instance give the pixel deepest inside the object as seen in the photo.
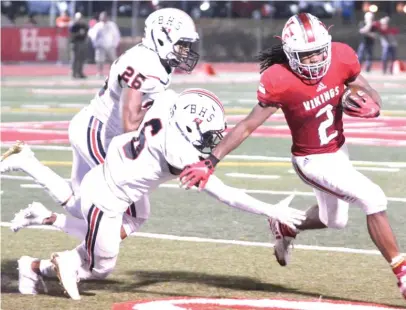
(369, 33)
(389, 44)
(62, 25)
(93, 21)
(78, 38)
(105, 37)
(31, 21)
(63, 20)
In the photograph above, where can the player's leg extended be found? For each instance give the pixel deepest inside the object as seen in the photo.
(329, 212)
(20, 158)
(346, 183)
(98, 253)
(86, 135)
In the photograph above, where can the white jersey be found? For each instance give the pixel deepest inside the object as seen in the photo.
(139, 68)
(138, 162)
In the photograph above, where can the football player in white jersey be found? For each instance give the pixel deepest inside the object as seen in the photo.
(171, 136)
(135, 79)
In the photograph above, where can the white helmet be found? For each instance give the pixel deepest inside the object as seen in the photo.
(171, 33)
(304, 35)
(199, 116)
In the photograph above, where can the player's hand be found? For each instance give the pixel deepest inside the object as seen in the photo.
(197, 173)
(364, 107)
(286, 215)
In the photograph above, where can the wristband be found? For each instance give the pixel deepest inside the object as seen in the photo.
(213, 159)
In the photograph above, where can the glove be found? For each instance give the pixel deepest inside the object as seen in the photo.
(361, 105)
(198, 173)
(286, 215)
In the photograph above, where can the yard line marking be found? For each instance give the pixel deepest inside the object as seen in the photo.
(226, 241)
(35, 106)
(230, 164)
(377, 169)
(30, 185)
(252, 176)
(389, 164)
(249, 191)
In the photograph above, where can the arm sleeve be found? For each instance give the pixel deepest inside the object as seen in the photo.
(235, 198)
(267, 94)
(350, 62)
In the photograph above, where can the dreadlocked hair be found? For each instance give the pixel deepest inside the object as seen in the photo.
(271, 56)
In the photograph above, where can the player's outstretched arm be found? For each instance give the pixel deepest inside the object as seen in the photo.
(238, 199)
(362, 82)
(132, 114)
(201, 171)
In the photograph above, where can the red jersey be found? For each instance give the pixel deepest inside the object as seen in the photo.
(312, 110)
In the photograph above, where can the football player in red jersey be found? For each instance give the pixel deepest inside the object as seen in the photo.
(305, 76)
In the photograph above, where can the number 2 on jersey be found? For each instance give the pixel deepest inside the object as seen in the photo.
(324, 125)
(134, 148)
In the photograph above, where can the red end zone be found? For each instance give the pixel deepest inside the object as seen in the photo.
(245, 304)
(383, 131)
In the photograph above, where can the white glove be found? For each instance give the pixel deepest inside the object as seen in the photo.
(286, 215)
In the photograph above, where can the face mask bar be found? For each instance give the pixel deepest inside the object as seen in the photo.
(311, 70)
(183, 57)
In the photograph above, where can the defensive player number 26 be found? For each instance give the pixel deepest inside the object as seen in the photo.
(137, 81)
(127, 75)
(324, 125)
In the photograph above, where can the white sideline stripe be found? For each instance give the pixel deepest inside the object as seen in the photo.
(252, 176)
(225, 241)
(377, 169)
(288, 159)
(176, 186)
(390, 164)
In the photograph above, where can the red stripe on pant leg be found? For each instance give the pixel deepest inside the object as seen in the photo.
(91, 227)
(94, 141)
(315, 184)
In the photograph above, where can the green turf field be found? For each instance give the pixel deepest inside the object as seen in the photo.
(156, 268)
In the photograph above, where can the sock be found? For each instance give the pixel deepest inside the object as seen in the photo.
(54, 184)
(398, 264)
(46, 268)
(71, 225)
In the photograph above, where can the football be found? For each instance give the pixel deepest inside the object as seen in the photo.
(356, 101)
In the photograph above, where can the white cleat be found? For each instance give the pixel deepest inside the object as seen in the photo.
(34, 214)
(15, 157)
(66, 273)
(29, 282)
(284, 237)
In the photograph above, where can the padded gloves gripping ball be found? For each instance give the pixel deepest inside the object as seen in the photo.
(357, 102)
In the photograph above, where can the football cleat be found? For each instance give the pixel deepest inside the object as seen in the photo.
(29, 282)
(34, 214)
(400, 272)
(284, 237)
(15, 156)
(66, 273)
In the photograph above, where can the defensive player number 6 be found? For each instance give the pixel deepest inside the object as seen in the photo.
(134, 148)
(324, 125)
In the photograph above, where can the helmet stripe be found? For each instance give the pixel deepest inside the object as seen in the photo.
(307, 27)
(204, 93)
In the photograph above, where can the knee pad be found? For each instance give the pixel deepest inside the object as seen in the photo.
(103, 267)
